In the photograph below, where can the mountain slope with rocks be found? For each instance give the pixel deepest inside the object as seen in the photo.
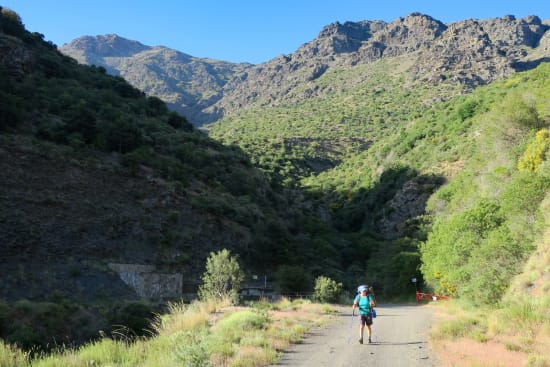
(469, 53)
(189, 85)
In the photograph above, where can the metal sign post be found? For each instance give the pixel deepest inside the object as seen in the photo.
(413, 280)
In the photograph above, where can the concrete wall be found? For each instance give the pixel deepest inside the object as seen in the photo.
(148, 282)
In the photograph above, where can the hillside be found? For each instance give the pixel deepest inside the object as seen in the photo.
(108, 196)
(335, 102)
(188, 85)
(352, 158)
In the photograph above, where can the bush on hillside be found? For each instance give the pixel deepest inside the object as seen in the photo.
(521, 110)
(327, 290)
(132, 319)
(10, 22)
(535, 153)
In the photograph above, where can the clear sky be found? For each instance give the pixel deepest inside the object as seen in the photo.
(252, 31)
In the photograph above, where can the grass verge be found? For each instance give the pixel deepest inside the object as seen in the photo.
(516, 334)
(199, 334)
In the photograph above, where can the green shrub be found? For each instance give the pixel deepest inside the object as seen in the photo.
(448, 250)
(133, 318)
(192, 348)
(327, 290)
(10, 112)
(535, 153)
(519, 109)
(10, 22)
(222, 278)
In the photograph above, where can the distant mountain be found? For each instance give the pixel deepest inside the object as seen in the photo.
(189, 85)
(469, 53)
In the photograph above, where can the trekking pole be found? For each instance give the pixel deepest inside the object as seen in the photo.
(374, 337)
(351, 326)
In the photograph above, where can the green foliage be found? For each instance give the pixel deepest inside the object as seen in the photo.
(37, 325)
(448, 249)
(132, 318)
(10, 22)
(491, 267)
(462, 327)
(327, 290)
(293, 279)
(234, 324)
(222, 278)
(10, 114)
(521, 109)
(192, 348)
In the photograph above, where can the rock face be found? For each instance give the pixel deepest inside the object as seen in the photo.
(469, 53)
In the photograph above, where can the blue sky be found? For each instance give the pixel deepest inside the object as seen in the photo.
(252, 31)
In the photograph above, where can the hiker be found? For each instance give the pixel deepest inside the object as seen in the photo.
(365, 301)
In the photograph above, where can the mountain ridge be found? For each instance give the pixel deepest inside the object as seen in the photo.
(470, 53)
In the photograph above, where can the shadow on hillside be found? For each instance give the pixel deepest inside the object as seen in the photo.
(387, 208)
(528, 65)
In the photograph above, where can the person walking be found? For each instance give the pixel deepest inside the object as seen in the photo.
(365, 302)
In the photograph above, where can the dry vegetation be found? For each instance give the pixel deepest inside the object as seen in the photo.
(199, 334)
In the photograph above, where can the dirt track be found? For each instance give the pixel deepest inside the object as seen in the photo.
(399, 339)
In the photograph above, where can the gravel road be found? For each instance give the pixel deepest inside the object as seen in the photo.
(399, 339)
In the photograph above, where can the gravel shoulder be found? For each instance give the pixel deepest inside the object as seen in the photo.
(400, 338)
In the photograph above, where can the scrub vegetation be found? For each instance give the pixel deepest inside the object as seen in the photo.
(374, 180)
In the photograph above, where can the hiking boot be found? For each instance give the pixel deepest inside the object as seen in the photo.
(369, 340)
(361, 341)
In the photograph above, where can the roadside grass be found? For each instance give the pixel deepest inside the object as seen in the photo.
(515, 331)
(10, 356)
(198, 334)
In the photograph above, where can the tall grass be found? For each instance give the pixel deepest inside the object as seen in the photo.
(200, 334)
(10, 356)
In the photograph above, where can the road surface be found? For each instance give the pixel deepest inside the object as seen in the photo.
(400, 336)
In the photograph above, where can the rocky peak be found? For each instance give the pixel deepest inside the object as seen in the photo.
(409, 34)
(418, 23)
(338, 38)
(110, 45)
(509, 31)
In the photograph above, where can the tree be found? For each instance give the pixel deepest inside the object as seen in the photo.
(10, 22)
(222, 278)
